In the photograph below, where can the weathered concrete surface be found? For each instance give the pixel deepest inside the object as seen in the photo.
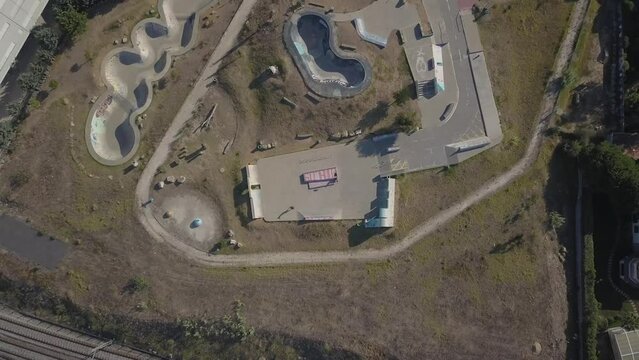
(21, 239)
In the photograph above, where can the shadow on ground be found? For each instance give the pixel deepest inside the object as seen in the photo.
(560, 195)
(358, 234)
(241, 199)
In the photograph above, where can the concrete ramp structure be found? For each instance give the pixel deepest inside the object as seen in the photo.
(112, 135)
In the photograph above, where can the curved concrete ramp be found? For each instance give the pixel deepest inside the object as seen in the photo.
(111, 133)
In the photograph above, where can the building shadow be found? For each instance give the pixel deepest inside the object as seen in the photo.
(358, 234)
(241, 199)
(374, 145)
(260, 79)
(375, 115)
(103, 7)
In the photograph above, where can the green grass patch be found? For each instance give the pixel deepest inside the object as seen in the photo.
(275, 272)
(375, 270)
(577, 66)
(78, 281)
(512, 267)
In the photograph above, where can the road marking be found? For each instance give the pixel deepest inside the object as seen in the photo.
(460, 55)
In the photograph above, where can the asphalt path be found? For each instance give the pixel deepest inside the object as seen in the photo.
(362, 255)
(22, 240)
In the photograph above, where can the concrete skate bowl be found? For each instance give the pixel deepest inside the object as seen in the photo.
(112, 134)
(328, 71)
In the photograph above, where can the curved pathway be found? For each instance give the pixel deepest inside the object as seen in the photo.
(315, 257)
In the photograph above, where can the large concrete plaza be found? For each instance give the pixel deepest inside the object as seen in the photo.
(459, 119)
(285, 197)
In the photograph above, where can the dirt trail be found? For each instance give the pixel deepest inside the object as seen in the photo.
(314, 257)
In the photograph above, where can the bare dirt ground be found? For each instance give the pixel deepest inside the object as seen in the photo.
(177, 210)
(485, 286)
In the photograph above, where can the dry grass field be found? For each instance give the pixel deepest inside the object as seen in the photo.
(487, 285)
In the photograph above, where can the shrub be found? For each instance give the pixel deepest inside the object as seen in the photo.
(556, 220)
(402, 96)
(53, 84)
(34, 103)
(89, 56)
(72, 21)
(592, 306)
(47, 38)
(406, 122)
(137, 284)
(19, 179)
(229, 329)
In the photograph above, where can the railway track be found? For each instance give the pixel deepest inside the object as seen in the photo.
(26, 337)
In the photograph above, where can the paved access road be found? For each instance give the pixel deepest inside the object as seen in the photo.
(26, 337)
(314, 257)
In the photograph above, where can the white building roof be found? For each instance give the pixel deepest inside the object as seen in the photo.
(17, 18)
(625, 344)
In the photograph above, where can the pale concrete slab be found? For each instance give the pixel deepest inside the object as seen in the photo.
(471, 33)
(487, 103)
(286, 198)
(419, 54)
(377, 21)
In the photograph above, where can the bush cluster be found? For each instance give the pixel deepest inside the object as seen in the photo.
(592, 306)
(613, 172)
(229, 329)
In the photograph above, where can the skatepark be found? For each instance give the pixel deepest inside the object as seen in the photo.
(111, 132)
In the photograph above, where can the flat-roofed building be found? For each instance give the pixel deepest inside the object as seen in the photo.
(17, 18)
(625, 344)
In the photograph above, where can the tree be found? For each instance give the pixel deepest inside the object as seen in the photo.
(47, 37)
(406, 122)
(15, 108)
(631, 321)
(613, 172)
(28, 82)
(556, 220)
(629, 5)
(402, 96)
(632, 98)
(45, 57)
(72, 21)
